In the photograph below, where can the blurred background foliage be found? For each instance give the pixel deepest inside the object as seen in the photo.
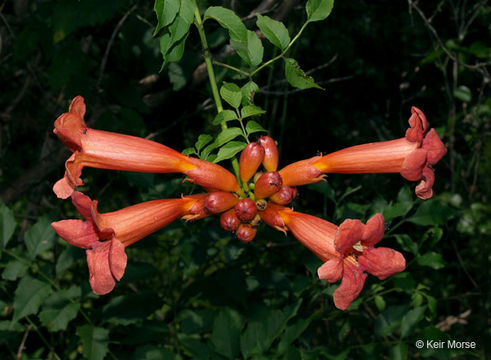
(192, 290)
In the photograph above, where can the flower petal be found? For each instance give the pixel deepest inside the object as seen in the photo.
(434, 146)
(69, 127)
(418, 124)
(348, 234)
(100, 276)
(117, 258)
(73, 170)
(413, 165)
(382, 262)
(76, 232)
(350, 288)
(77, 106)
(424, 189)
(373, 231)
(63, 188)
(331, 270)
(83, 204)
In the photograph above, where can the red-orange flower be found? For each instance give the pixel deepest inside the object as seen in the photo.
(211, 176)
(347, 251)
(107, 150)
(105, 236)
(412, 156)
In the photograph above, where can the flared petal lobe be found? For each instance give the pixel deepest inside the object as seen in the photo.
(348, 234)
(373, 231)
(100, 277)
(331, 270)
(382, 262)
(351, 286)
(78, 233)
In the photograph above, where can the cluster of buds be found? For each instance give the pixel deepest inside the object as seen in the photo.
(241, 213)
(244, 201)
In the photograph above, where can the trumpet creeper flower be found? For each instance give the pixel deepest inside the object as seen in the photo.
(347, 251)
(108, 150)
(105, 236)
(412, 156)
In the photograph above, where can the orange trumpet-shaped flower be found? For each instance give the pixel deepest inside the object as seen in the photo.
(347, 250)
(107, 150)
(105, 236)
(411, 156)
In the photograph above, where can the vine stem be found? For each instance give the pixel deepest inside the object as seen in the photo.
(211, 76)
(245, 73)
(269, 62)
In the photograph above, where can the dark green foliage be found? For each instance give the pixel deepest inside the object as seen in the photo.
(192, 290)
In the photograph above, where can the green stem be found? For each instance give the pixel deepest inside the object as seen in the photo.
(232, 68)
(43, 339)
(269, 62)
(208, 62)
(211, 75)
(243, 129)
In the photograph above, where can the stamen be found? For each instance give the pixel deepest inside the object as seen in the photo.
(358, 246)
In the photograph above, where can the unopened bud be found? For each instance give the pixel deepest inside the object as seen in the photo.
(246, 232)
(270, 161)
(250, 159)
(245, 210)
(268, 184)
(219, 201)
(229, 221)
(285, 195)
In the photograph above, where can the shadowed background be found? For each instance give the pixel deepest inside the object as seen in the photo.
(192, 290)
